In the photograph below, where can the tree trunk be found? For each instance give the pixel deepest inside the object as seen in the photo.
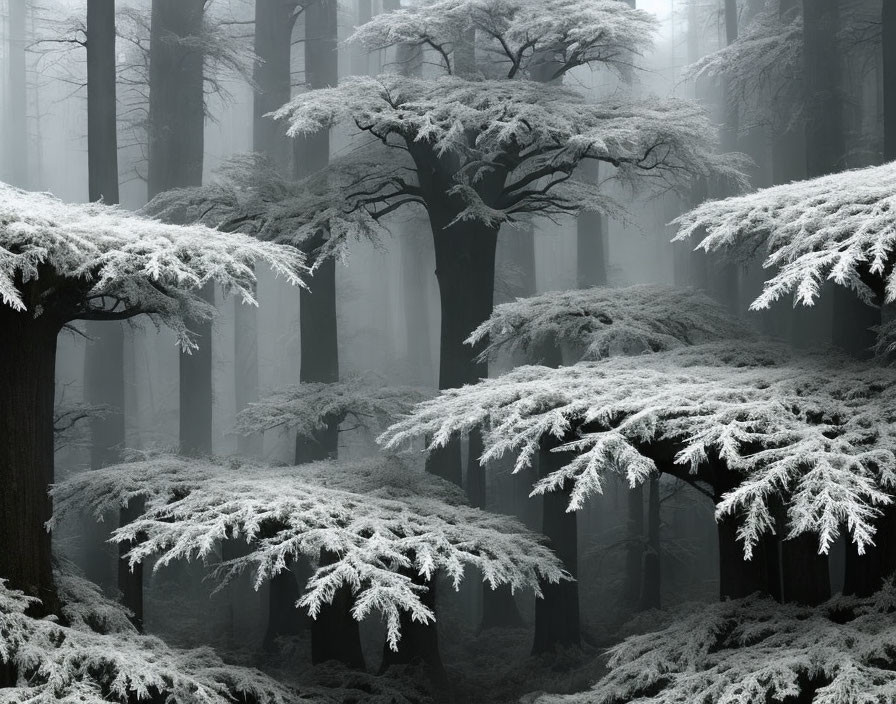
(557, 614)
(15, 169)
(634, 545)
(104, 359)
(465, 269)
(738, 577)
(284, 617)
(651, 575)
(28, 359)
(419, 642)
(130, 579)
(335, 634)
(804, 572)
(591, 244)
(274, 23)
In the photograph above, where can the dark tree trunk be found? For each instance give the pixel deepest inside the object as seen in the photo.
(335, 634)
(414, 270)
(737, 577)
(465, 269)
(557, 614)
(176, 143)
(28, 359)
(591, 241)
(419, 642)
(804, 572)
(284, 617)
(15, 170)
(650, 586)
(634, 545)
(104, 360)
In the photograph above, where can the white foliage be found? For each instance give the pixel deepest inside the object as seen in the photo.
(837, 228)
(73, 663)
(756, 650)
(287, 512)
(519, 35)
(363, 401)
(817, 433)
(603, 321)
(99, 261)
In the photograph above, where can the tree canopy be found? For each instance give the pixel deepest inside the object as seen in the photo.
(284, 513)
(815, 432)
(99, 262)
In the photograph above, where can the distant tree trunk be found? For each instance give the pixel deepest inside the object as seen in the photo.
(104, 360)
(274, 23)
(557, 614)
(176, 133)
(651, 576)
(634, 545)
(27, 373)
(176, 143)
(16, 130)
(591, 243)
(724, 277)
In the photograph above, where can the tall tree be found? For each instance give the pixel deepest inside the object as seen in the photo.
(104, 359)
(176, 145)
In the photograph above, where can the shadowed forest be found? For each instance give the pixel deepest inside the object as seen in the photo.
(447, 351)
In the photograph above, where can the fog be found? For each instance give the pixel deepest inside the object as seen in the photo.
(786, 103)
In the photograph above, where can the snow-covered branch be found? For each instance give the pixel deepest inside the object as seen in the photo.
(756, 650)
(310, 407)
(816, 433)
(600, 322)
(100, 262)
(839, 228)
(370, 520)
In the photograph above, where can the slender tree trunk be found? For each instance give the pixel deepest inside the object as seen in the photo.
(15, 169)
(651, 576)
(591, 243)
(104, 360)
(634, 546)
(557, 614)
(888, 45)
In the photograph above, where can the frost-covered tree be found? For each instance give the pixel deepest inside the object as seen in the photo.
(96, 656)
(60, 263)
(381, 521)
(309, 409)
(755, 650)
(594, 323)
(477, 147)
(601, 322)
(754, 424)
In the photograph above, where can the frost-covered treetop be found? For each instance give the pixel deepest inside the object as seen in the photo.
(817, 432)
(602, 321)
(516, 143)
(76, 663)
(762, 67)
(100, 262)
(520, 35)
(839, 227)
(306, 408)
(756, 650)
(285, 512)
